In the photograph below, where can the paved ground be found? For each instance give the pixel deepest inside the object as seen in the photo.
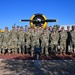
(29, 67)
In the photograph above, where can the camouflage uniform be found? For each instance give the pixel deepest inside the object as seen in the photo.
(14, 40)
(73, 39)
(21, 35)
(1, 39)
(32, 31)
(40, 30)
(44, 42)
(54, 37)
(26, 28)
(6, 38)
(50, 28)
(34, 41)
(18, 28)
(47, 30)
(58, 29)
(63, 38)
(68, 39)
(28, 41)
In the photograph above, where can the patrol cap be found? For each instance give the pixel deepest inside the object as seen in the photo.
(58, 26)
(73, 26)
(26, 25)
(29, 28)
(68, 26)
(62, 27)
(6, 27)
(13, 26)
(54, 27)
(17, 26)
(21, 27)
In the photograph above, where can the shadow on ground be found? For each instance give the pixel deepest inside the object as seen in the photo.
(45, 67)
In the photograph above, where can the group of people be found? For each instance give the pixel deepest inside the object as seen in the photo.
(26, 40)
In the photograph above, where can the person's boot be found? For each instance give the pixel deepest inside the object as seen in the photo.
(13, 51)
(26, 50)
(3, 51)
(64, 53)
(16, 51)
(9, 51)
(0, 51)
(19, 50)
(46, 52)
(74, 50)
(61, 54)
(32, 54)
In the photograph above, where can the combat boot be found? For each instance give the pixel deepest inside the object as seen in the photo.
(32, 54)
(0, 51)
(13, 51)
(74, 50)
(64, 54)
(3, 51)
(9, 51)
(23, 49)
(23, 53)
(19, 50)
(42, 51)
(16, 51)
(26, 50)
(46, 52)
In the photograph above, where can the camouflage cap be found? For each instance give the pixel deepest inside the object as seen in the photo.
(54, 27)
(58, 26)
(18, 26)
(26, 26)
(62, 27)
(21, 26)
(73, 26)
(68, 26)
(13, 26)
(6, 27)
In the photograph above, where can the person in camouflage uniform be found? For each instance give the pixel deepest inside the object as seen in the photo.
(18, 28)
(73, 39)
(6, 38)
(68, 40)
(63, 38)
(41, 29)
(13, 40)
(44, 42)
(1, 41)
(47, 29)
(50, 28)
(28, 40)
(54, 37)
(26, 28)
(21, 35)
(58, 29)
(34, 41)
(31, 31)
